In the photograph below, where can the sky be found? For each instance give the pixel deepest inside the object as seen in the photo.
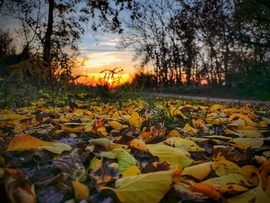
(100, 50)
(103, 53)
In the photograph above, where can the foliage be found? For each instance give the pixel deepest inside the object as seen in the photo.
(55, 27)
(130, 150)
(217, 43)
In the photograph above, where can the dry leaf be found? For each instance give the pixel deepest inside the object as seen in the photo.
(199, 171)
(115, 125)
(225, 167)
(19, 189)
(131, 171)
(173, 133)
(170, 154)
(81, 191)
(143, 188)
(206, 189)
(135, 120)
(24, 142)
(138, 144)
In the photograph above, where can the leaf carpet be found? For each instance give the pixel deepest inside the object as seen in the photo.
(155, 150)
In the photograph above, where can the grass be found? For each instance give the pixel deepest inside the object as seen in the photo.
(13, 96)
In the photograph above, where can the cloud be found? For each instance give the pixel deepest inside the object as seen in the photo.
(98, 60)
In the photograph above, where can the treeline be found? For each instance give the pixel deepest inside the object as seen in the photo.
(196, 42)
(218, 43)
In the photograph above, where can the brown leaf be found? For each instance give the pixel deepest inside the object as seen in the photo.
(20, 190)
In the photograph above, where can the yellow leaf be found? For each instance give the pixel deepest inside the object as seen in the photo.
(170, 154)
(245, 143)
(246, 118)
(102, 131)
(24, 142)
(131, 171)
(249, 133)
(190, 129)
(81, 191)
(12, 117)
(185, 143)
(199, 171)
(135, 120)
(139, 144)
(231, 188)
(58, 131)
(143, 188)
(20, 127)
(115, 125)
(225, 167)
(214, 118)
(116, 114)
(216, 107)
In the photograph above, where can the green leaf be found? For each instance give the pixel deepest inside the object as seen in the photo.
(172, 155)
(58, 147)
(231, 178)
(143, 188)
(125, 160)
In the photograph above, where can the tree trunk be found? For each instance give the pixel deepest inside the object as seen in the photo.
(47, 41)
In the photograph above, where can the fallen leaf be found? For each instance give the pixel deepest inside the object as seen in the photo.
(225, 167)
(233, 178)
(131, 171)
(57, 147)
(116, 125)
(19, 189)
(23, 142)
(216, 107)
(170, 154)
(125, 160)
(12, 117)
(135, 120)
(246, 143)
(257, 195)
(184, 143)
(190, 129)
(232, 188)
(199, 171)
(81, 191)
(143, 188)
(244, 117)
(138, 144)
(173, 133)
(206, 189)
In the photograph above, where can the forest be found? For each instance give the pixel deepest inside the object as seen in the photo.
(186, 46)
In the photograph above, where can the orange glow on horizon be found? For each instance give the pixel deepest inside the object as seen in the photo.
(94, 79)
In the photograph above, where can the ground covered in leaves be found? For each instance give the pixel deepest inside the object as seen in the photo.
(154, 150)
